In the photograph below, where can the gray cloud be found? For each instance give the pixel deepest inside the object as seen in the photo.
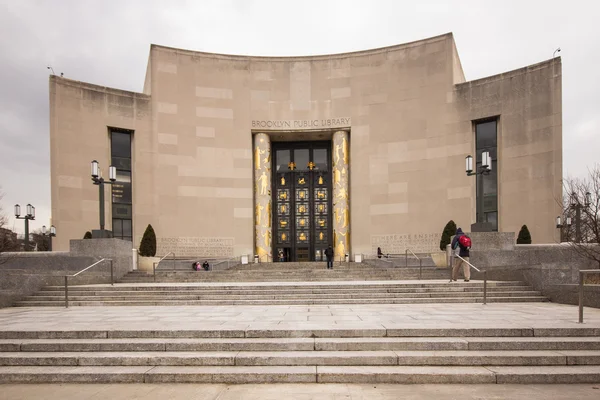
(107, 43)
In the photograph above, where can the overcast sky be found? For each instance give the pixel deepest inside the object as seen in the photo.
(107, 43)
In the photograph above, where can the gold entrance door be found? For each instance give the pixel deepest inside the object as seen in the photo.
(302, 212)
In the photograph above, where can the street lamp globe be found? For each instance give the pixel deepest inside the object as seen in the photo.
(568, 221)
(30, 210)
(17, 210)
(558, 225)
(469, 164)
(43, 229)
(112, 173)
(52, 230)
(485, 161)
(95, 169)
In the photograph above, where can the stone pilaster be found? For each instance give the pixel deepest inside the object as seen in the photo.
(262, 197)
(341, 194)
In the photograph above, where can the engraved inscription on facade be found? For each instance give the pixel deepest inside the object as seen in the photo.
(399, 243)
(195, 246)
(343, 122)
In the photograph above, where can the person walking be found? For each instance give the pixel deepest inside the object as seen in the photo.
(329, 255)
(462, 243)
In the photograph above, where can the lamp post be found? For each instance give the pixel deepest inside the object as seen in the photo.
(484, 169)
(97, 179)
(50, 234)
(575, 204)
(30, 215)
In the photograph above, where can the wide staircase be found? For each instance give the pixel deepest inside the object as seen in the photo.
(399, 269)
(452, 355)
(274, 293)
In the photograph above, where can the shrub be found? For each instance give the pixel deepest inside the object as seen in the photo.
(524, 236)
(88, 235)
(449, 231)
(148, 243)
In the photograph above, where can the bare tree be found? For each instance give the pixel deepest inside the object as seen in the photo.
(582, 206)
(8, 239)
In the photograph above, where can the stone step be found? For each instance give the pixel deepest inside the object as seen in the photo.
(590, 344)
(301, 374)
(292, 286)
(302, 358)
(132, 302)
(276, 296)
(127, 291)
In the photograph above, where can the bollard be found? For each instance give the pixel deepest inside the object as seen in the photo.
(580, 297)
(112, 273)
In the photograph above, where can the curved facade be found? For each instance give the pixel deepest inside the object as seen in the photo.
(201, 152)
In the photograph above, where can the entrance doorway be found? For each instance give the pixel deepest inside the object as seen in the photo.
(302, 200)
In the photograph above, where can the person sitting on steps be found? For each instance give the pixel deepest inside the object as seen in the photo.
(462, 243)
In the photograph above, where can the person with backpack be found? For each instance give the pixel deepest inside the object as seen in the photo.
(462, 243)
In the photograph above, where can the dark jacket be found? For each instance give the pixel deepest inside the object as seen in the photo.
(464, 251)
(329, 253)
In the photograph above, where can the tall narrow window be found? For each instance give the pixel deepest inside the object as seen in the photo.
(122, 213)
(486, 139)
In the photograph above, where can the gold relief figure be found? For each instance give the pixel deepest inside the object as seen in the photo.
(269, 214)
(283, 223)
(302, 209)
(343, 170)
(346, 218)
(321, 208)
(321, 222)
(311, 165)
(267, 237)
(260, 251)
(320, 195)
(257, 153)
(282, 181)
(301, 194)
(342, 193)
(302, 236)
(336, 176)
(267, 161)
(283, 195)
(302, 221)
(321, 235)
(258, 213)
(320, 180)
(345, 150)
(338, 217)
(282, 209)
(283, 237)
(337, 154)
(341, 249)
(264, 183)
(301, 181)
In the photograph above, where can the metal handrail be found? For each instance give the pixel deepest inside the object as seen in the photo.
(415, 256)
(582, 273)
(227, 260)
(154, 265)
(112, 277)
(478, 270)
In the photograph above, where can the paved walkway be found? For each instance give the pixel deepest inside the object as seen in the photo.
(343, 316)
(299, 391)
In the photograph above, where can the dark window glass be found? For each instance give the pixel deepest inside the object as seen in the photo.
(126, 227)
(282, 160)
(117, 227)
(320, 159)
(492, 217)
(301, 159)
(486, 135)
(121, 163)
(121, 192)
(122, 211)
(486, 139)
(120, 145)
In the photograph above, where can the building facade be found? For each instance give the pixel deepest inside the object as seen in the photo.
(282, 156)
